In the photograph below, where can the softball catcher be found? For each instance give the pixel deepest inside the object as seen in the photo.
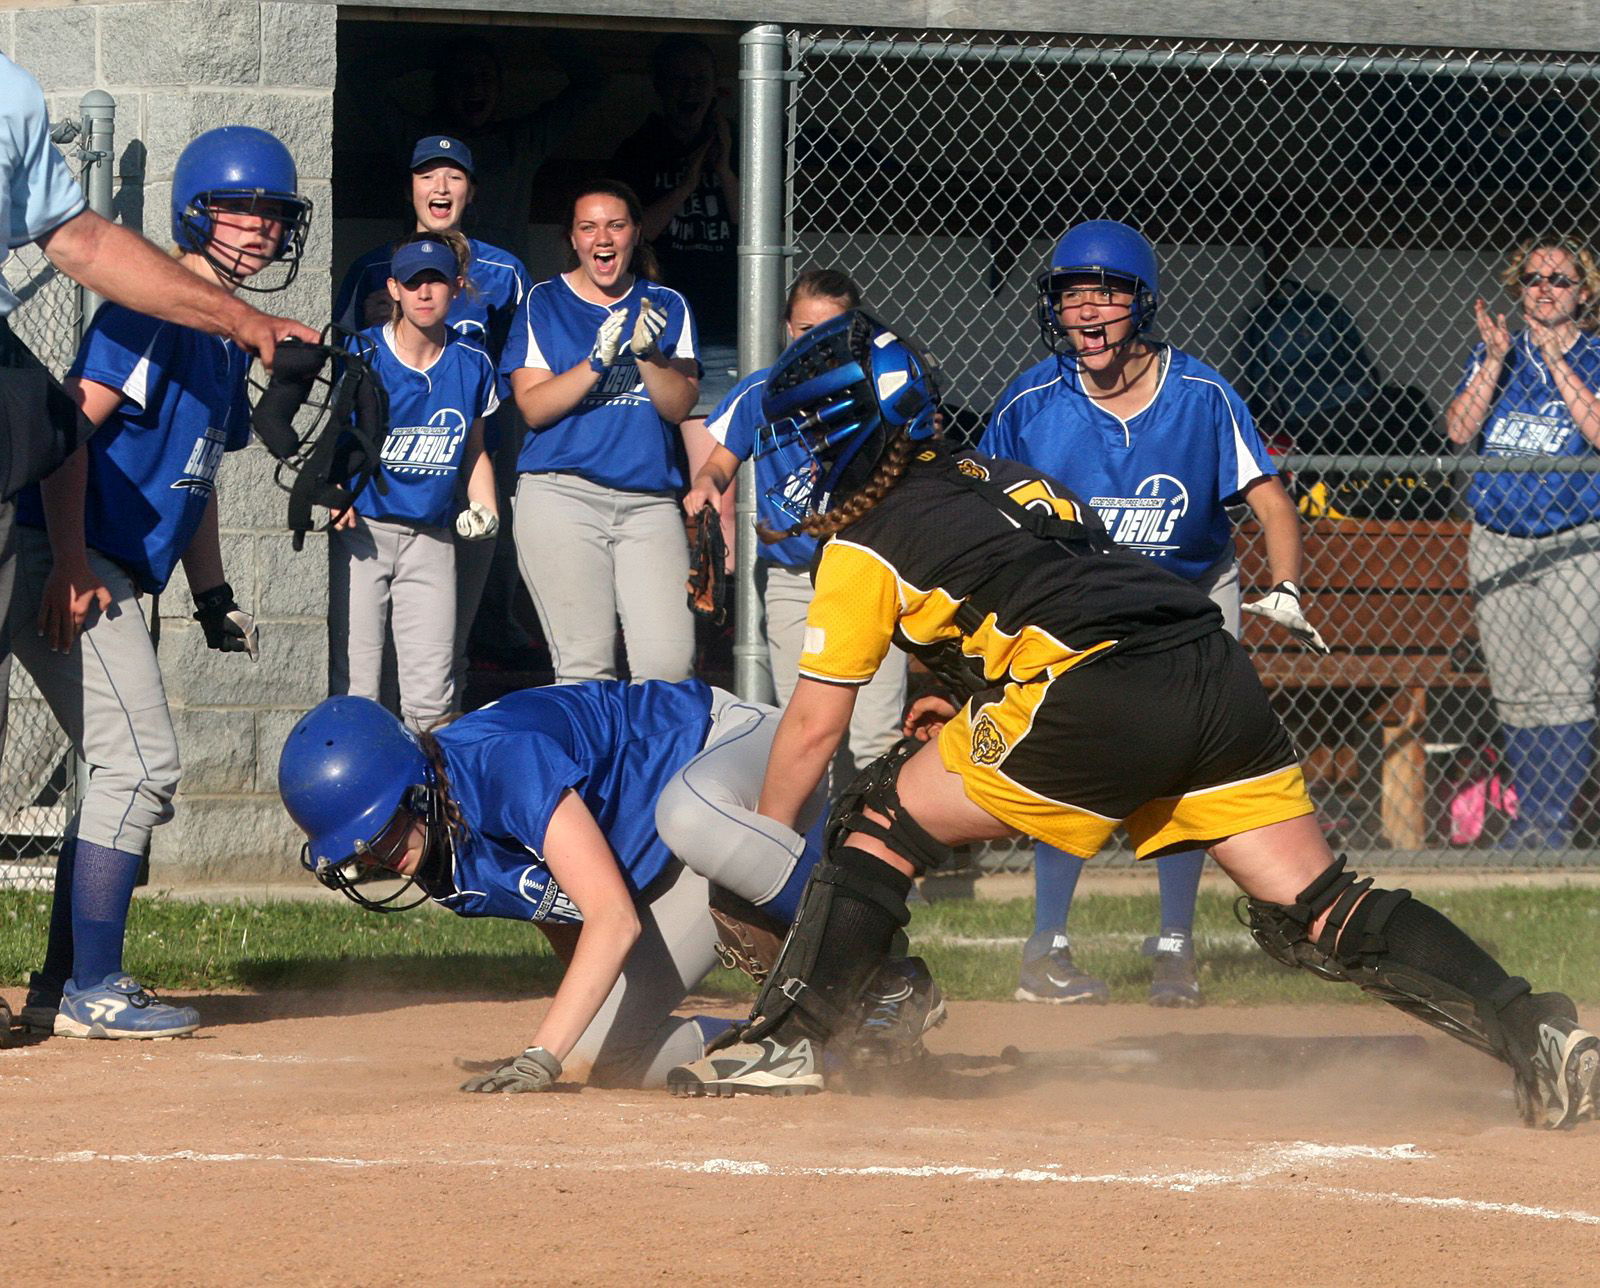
(1095, 690)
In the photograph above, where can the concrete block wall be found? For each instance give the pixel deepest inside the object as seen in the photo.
(177, 68)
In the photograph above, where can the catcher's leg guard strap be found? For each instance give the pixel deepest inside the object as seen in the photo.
(876, 788)
(852, 907)
(1396, 948)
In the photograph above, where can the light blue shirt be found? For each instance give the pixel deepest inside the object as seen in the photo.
(37, 191)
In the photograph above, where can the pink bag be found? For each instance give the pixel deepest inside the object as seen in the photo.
(1471, 802)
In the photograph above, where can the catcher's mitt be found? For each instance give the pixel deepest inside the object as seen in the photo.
(708, 566)
(748, 939)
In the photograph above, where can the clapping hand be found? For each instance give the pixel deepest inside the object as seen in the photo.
(1493, 331)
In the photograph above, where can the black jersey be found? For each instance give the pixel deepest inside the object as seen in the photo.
(940, 561)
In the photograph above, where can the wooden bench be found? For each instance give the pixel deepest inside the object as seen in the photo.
(1393, 602)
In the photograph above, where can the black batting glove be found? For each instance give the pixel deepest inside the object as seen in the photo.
(228, 628)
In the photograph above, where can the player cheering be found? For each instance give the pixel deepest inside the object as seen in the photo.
(815, 296)
(1163, 445)
(109, 527)
(1101, 690)
(600, 812)
(442, 189)
(393, 554)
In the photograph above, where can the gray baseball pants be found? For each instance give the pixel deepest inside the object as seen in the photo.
(707, 816)
(108, 696)
(590, 554)
(383, 574)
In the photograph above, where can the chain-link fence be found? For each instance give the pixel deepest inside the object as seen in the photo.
(37, 770)
(1326, 218)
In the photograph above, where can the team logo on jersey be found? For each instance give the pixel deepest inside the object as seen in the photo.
(550, 903)
(1526, 433)
(1146, 520)
(988, 747)
(200, 470)
(619, 381)
(434, 448)
(970, 468)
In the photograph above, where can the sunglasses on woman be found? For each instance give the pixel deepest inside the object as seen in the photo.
(1558, 280)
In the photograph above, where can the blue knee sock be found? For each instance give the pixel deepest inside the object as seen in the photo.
(57, 968)
(1055, 879)
(1549, 765)
(102, 888)
(786, 902)
(1179, 878)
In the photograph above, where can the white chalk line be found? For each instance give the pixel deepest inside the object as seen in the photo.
(1255, 1172)
(1119, 939)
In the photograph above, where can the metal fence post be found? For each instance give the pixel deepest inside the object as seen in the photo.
(762, 264)
(99, 129)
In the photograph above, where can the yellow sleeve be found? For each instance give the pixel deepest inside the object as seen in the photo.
(850, 624)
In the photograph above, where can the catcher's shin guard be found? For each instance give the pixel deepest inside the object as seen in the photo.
(853, 906)
(1404, 953)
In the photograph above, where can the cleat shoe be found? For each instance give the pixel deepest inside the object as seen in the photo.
(1564, 1086)
(1052, 977)
(763, 1068)
(5, 1024)
(120, 1007)
(899, 1004)
(1175, 977)
(39, 1011)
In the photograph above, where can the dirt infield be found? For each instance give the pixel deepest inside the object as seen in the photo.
(316, 1138)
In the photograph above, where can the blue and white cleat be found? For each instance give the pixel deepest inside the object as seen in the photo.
(1564, 1087)
(765, 1067)
(1053, 977)
(121, 1007)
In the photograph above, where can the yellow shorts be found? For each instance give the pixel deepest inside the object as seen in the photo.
(1180, 746)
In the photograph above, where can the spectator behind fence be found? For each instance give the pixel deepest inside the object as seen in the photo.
(1161, 445)
(784, 570)
(441, 189)
(1534, 552)
(683, 164)
(603, 370)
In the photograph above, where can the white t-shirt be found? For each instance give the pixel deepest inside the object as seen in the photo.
(37, 191)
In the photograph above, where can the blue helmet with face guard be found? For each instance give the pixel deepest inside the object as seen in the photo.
(1111, 254)
(350, 773)
(244, 170)
(835, 400)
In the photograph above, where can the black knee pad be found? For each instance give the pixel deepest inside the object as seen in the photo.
(851, 912)
(1396, 948)
(876, 788)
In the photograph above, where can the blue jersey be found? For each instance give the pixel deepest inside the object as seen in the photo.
(1529, 419)
(734, 423)
(1161, 479)
(483, 313)
(430, 414)
(153, 464)
(614, 437)
(617, 745)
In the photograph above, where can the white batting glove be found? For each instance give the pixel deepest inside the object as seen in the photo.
(534, 1070)
(1281, 606)
(477, 522)
(647, 330)
(608, 340)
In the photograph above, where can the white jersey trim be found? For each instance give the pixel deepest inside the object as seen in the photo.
(1245, 471)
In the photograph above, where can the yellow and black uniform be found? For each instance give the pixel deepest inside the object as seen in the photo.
(1169, 731)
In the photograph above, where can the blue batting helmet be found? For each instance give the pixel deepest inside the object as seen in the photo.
(835, 400)
(243, 169)
(1118, 255)
(347, 769)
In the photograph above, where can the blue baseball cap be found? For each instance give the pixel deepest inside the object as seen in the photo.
(419, 257)
(441, 147)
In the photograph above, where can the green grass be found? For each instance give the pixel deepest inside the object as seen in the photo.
(1550, 935)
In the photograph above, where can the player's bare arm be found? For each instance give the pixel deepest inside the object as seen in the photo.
(124, 267)
(813, 725)
(711, 480)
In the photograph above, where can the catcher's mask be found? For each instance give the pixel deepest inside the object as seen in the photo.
(355, 780)
(341, 445)
(835, 399)
(1111, 255)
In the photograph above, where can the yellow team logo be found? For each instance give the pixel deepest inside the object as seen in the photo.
(972, 468)
(987, 744)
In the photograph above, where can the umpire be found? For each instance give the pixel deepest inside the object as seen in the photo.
(39, 423)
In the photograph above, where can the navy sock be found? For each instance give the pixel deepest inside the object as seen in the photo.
(102, 888)
(786, 902)
(57, 968)
(1179, 878)
(1055, 878)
